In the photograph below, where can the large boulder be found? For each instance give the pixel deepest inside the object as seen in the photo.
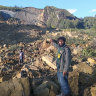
(84, 67)
(91, 61)
(93, 90)
(73, 82)
(29, 70)
(85, 81)
(15, 87)
(86, 92)
(49, 61)
(48, 88)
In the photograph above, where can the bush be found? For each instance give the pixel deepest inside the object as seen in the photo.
(89, 52)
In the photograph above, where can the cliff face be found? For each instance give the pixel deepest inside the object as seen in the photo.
(52, 12)
(39, 17)
(52, 16)
(29, 15)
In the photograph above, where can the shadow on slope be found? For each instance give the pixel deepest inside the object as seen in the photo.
(13, 34)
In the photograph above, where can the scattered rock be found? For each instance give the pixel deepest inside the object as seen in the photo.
(87, 92)
(84, 67)
(9, 55)
(45, 44)
(16, 87)
(46, 89)
(91, 61)
(4, 45)
(93, 43)
(74, 67)
(93, 90)
(77, 50)
(73, 82)
(4, 69)
(51, 48)
(7, 77)
(42, 92)
(29, 70)
(18, 75)
(39, 66)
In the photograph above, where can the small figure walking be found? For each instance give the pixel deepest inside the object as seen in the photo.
(21, 57)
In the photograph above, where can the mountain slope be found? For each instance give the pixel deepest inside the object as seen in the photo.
(49, 16)
(53, 16)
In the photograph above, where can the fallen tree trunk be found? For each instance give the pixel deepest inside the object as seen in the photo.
(48, 60)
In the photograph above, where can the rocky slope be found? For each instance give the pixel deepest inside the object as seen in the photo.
(13, 34)
(36, 73)
(41, 17)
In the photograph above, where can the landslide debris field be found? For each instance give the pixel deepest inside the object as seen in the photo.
(37, 76)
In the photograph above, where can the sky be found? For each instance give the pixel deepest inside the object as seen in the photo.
(79, 8)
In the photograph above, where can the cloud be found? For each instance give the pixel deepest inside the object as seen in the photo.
(93, 10)
(72, 10)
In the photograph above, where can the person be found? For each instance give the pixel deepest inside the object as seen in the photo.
(21, 57)
(63, 62)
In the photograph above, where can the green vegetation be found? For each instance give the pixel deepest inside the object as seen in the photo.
(89, 52)
(66, 23)
(90, 22)
(88, 45)
(61, 18)
(86, 23)
(15, 8)
(58, 18)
